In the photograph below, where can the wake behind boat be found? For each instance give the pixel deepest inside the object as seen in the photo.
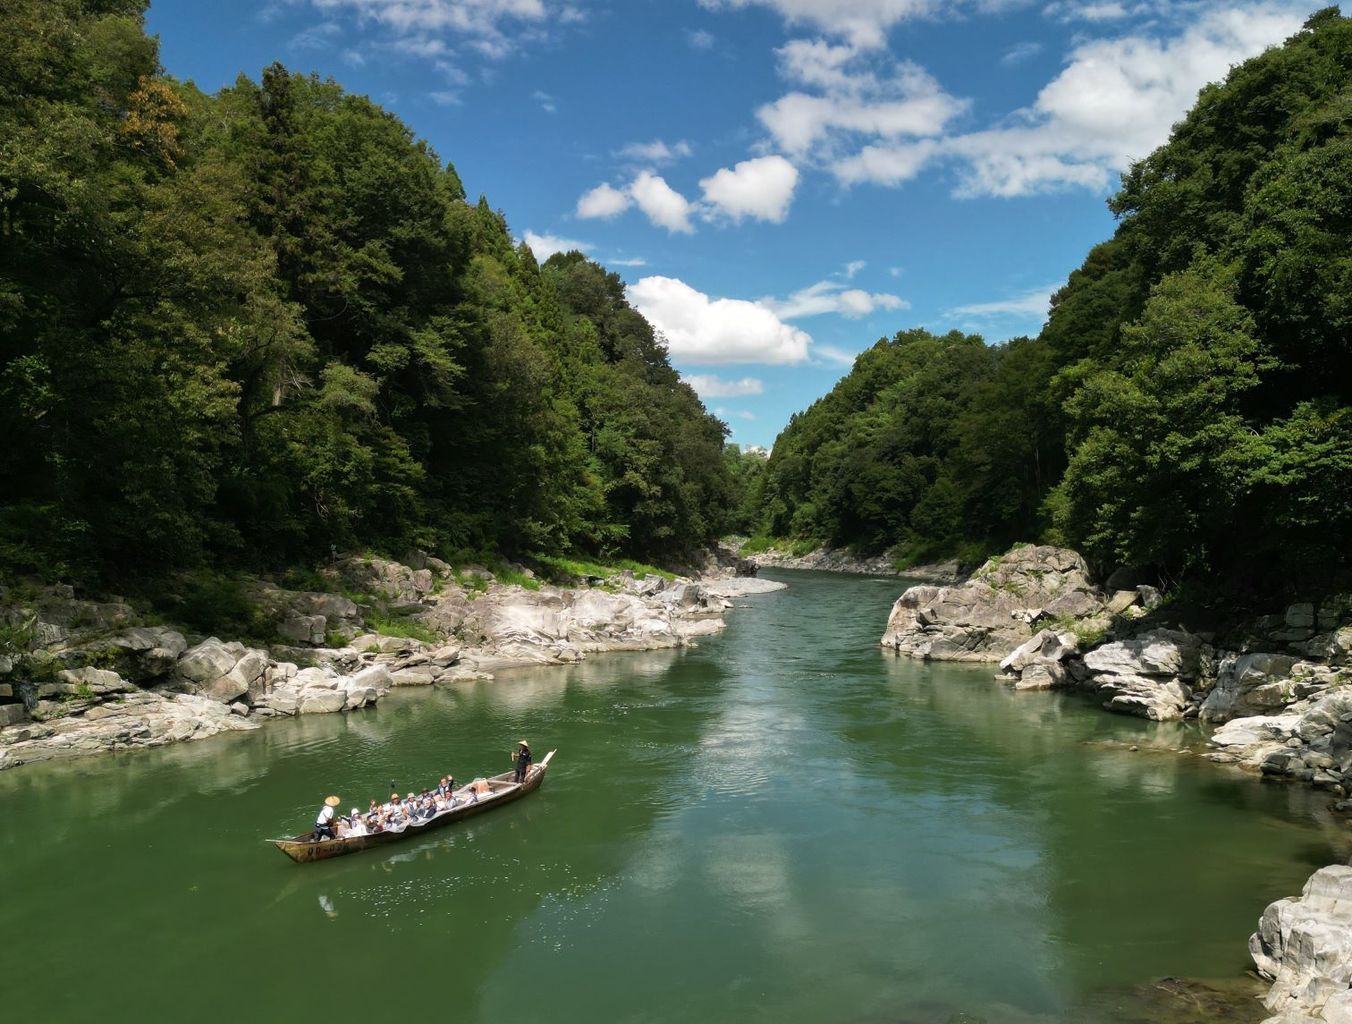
(502, 789)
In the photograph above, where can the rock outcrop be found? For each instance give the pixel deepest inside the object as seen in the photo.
(1042, 663)
(88, 679)
(1309, 741)
(1152, 675)
(1008, 600)
(136, 719)
(1304, 947)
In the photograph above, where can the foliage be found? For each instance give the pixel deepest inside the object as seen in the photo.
(1188, 405)
(401, 626)
(563, 570)
(246, 328)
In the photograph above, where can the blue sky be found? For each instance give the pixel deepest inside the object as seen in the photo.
(779, 182)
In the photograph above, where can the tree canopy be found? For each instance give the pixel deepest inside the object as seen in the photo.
(245, 327)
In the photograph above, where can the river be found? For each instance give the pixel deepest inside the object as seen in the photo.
(784, 824)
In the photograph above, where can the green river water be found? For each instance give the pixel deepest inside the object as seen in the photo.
(784, 824)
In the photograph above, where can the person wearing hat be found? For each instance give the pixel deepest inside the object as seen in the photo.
(522, 757)
(356, 826)
(324, 823)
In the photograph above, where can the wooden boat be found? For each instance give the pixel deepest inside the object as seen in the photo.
(303, 849)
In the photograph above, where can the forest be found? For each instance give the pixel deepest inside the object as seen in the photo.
(251, 328)
(1188, 404)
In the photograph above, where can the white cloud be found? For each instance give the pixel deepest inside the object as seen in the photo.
(832, 297)
(492, 28)
(1089, 12)
(727, 414)
(709, 386)
(700, 39)
(1114, 102)
(761, 189)
(854, 94)
(853, 267)
(547, 102)
(661, 203)
(316, 37)
(704, 330)
(545, 246)
(862, 22)
(1034, 303)
(886, 165)
(603, 202)
(632, 261)
(444, 98)
(1020, 52)
(655, 153)
(354, 57)
(835, 356)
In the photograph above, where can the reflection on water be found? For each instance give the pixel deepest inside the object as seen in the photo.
(783, 824)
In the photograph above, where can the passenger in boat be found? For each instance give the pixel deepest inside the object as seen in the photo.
(356, 825)
(523, 758)
(480, 788)
(324, 822)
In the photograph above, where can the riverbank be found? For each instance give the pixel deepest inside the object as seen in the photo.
(81, 677)
(1277, 689)
(828, 559)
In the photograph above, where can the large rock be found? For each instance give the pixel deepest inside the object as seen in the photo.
(143, 654)
(1309, 741)
(222, 671)
(388, 579)
(1304, 946)
(139, 719)
(96, 681)
(1042, 662)
(997, 610)
(312, 691)
(1261, 683)
(1151, 675)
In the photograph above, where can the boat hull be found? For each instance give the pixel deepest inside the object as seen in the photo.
(303, 850)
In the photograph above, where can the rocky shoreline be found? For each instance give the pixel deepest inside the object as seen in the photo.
(827, 559)
(1278, 690)
(81, 677)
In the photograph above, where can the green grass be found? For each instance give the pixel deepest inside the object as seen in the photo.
(566, 569)
(399, 626)
(790, 546)
(508, 576)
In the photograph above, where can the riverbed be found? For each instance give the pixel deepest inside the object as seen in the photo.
(783, 824)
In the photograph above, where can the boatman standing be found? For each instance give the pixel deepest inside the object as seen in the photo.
(324, 823)
(522, 757)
